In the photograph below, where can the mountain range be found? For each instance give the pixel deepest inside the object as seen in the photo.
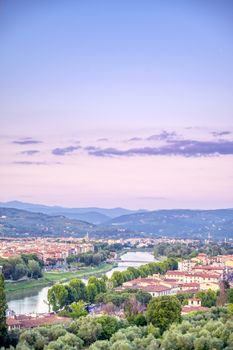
(92, 214)
(33, 219)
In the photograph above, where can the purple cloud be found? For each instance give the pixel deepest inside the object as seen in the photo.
(27, 141)
(220, 133)
(135, 139)
(25, 162)
(30, 152)
(185, 148)
(90, 148)
(103, 139)
(164, 135)
(65, 151)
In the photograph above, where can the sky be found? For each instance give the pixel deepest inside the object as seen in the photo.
(117, 103)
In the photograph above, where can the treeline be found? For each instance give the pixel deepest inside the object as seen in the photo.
(206, 331)
(25, 265)
(88, 259)
(102, 251)
(118, 278)
(61, 296)
(188, 251)
(120, 298)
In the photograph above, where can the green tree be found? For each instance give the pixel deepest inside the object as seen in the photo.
(78, 289)
(230, 295)
(110, 325)
(3, 307)
(117, 278)
(34, 269)
(163, 311)
(101, 345)
(66, 342)
(208, 298)
(78, 309)
(88, 329)
(57, 296)
(91, 292)
(32, 338)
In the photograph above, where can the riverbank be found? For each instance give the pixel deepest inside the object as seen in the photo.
(49, 278)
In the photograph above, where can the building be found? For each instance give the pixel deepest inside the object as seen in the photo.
(194, 305)
(31, 321)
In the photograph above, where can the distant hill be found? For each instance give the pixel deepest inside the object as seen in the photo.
(93, 215)
(179, 223)
(21, 222)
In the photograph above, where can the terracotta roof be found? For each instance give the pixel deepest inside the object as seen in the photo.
(156, 288)
(187, 309)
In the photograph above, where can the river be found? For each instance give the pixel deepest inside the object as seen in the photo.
(36, 300)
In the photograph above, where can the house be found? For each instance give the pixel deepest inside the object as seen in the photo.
(31, 321)
(194, 305)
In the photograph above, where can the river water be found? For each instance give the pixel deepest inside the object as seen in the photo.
(36, 300)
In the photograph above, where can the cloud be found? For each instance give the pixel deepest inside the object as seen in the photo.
(30, 152)
(220, 133)
(103, 139)
(65, 151)
(90, 148)
(185, 148)
(164, 135)
(25, 162)
(135, 139)
(26, 141)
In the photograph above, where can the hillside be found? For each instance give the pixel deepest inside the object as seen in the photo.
(21, 222)
(91, 214)
(180, 223)
(171, 223)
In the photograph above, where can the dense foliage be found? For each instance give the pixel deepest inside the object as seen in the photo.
(24, 266)
(187, 251)
(163, 311)
(206, 331)
(88, 259)
(60, 296)
(3, 306)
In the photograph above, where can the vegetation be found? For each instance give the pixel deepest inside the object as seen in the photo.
(188, 251)
(24, 266)
(60, 296)
(3, 306)
(203, 331)
(163, 311)
(208, 298)
(88, 259)
(120, 298)
(230, 295)
(49, 278)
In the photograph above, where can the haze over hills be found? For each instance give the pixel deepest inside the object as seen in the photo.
(180, 223)
(91, 214)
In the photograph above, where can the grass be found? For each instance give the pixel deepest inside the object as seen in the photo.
(50, 278)
(85, 272)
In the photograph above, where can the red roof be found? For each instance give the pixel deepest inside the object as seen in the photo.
(187, 309)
